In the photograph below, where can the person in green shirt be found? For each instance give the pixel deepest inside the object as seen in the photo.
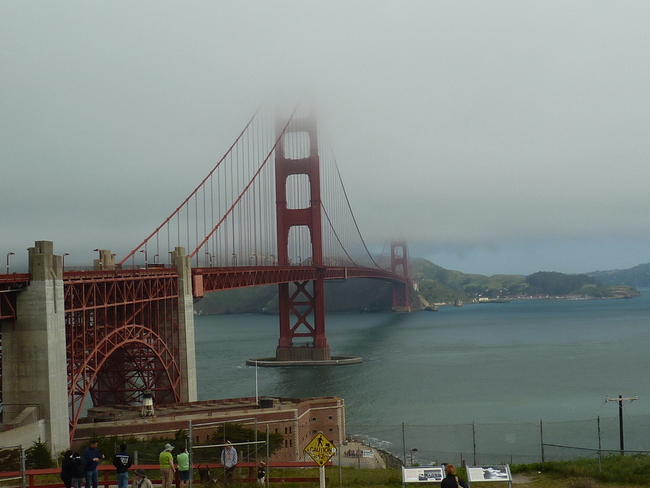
(183, 462)
(167, 467)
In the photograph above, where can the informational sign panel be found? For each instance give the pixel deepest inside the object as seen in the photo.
(320, 449)
(488, 473)
(422, 474)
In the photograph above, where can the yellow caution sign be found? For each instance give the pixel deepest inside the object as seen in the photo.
(320, 449)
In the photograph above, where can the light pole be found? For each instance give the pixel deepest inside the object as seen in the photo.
(146, 263)
(63, 260)
(9, 254)
(415, 449)
(234, 259)
(620, 401)
(154, 257)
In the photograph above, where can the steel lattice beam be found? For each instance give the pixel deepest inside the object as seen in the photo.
(122, 332)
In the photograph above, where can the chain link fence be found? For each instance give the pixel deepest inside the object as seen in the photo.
(12, 461)
(508, 443)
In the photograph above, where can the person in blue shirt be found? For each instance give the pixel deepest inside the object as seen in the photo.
(92, 457)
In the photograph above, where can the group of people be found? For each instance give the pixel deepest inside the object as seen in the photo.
(79, 468)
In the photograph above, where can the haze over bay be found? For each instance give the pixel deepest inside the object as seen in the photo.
(496, 137)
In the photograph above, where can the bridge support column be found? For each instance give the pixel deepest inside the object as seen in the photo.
(302, 310)
(186, 325)
(399, 263)
(34, 350)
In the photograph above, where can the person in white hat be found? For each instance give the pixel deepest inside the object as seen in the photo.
(229, 460)
(167, 467)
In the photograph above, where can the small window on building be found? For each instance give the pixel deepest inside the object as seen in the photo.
(313, 419)
(330, 417)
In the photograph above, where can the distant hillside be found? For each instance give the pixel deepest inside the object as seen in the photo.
(436, 285)
(355, 295)
(638, 276)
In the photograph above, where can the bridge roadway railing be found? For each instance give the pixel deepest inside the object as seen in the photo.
(10, 285)
(42, 478)
(213, 279)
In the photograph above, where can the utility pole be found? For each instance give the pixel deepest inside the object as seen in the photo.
(620, 401)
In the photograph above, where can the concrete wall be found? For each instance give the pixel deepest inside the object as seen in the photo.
(24, 435)
(34, 353)
(186, 322)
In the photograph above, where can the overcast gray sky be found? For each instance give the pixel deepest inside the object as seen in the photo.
(496, 136)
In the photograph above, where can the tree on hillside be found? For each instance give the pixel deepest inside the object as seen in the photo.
(554, 283)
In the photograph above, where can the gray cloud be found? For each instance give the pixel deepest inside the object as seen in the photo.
(495, 135)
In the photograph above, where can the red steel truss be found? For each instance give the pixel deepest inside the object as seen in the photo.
(10, 285)
(122, 337)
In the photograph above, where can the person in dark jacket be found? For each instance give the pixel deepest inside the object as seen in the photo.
(92, 456)
(451, 480)
(66, 464)
(122, 463)
(77, 470)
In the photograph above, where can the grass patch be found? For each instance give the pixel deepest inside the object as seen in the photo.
(630, 469)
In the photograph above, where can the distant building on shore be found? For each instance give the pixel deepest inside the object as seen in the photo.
(298, 420)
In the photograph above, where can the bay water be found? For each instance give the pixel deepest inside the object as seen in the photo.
(461, 382)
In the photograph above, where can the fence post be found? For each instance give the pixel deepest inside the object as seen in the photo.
(23, 471)
(190, 435)
(268, 465)
(541, 437)
(474, 441)
(600, 454)
(404, 443)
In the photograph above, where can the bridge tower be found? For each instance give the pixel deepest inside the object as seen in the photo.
(301, 304)
(399, 264)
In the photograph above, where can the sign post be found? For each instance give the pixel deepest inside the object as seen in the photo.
(320, 450)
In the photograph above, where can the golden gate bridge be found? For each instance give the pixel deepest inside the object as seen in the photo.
(273, 210)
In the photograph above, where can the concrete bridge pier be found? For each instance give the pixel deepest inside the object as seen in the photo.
(34, 375)
(186, 324)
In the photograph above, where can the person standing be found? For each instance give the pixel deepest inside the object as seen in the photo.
(229, 460)
(183, 463)
(92, 457)
(261, 473)
(122, 463)
(451, 480)
(141, 480)
(167, 467)
(66, 466)
(77, 470)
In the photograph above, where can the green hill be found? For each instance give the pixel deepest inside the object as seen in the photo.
(434, 285)
(638, 276)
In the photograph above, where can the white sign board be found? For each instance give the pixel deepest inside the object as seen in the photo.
(422, 474)
(488, 473)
